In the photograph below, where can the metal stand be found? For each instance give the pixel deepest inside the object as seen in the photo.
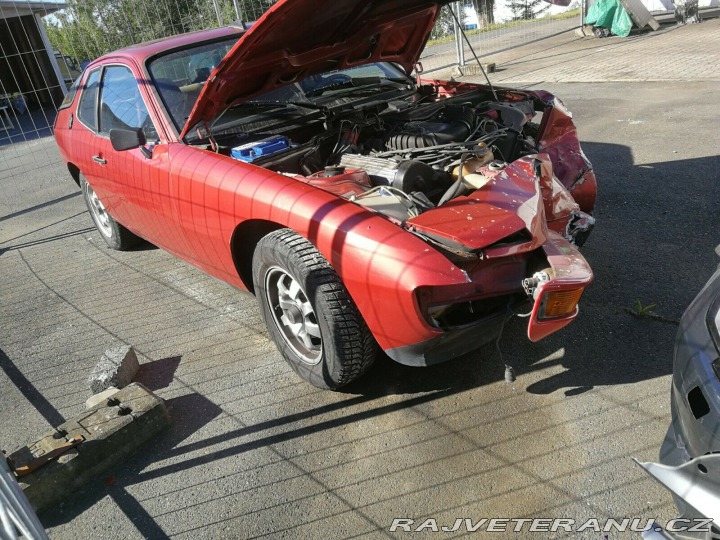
(459, 44)
(7, 124)
(16, 515)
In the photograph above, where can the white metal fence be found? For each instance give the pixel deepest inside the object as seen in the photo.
(44, 45)
(494, 26)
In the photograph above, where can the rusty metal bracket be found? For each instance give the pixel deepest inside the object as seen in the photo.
(40, 461)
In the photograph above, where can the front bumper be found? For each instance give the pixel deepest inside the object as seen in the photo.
(452, 343)
(570, 271)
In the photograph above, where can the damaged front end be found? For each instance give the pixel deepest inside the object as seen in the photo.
(493, 179)
(543, 281)
(421, 153)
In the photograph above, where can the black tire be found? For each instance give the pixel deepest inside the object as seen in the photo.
(319, 331)
(115, 235)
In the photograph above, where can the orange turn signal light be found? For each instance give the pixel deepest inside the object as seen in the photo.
(560, 303)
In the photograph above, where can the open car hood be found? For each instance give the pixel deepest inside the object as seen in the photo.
(297, 38)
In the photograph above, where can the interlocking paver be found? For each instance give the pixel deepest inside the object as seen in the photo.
(674, 53)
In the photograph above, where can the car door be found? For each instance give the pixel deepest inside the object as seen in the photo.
(134, 182)
(83, 143)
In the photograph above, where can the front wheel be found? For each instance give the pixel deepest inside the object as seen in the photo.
(115, 235)
(309, 313)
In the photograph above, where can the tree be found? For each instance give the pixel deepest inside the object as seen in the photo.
(485, 11)
(444, 25)
(527, 9)
(87, 29)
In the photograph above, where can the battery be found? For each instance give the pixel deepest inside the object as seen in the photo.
(252, 151)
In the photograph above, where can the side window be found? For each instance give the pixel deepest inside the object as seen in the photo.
(121, 105)
(87, 108)
(70, 96)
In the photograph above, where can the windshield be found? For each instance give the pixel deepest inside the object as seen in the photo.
(314, 95)
(180, 76)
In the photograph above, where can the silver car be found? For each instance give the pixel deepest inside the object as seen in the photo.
(695, 395)
(690, 454)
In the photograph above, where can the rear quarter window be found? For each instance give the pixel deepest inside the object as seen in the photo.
(87, 108)
(70, 96)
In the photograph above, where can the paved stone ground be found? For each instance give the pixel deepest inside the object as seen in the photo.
(674, 53)
(256, 452)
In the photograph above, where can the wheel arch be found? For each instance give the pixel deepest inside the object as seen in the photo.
(242, 246)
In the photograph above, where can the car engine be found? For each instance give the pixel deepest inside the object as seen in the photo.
(402, 158)
(401, 150)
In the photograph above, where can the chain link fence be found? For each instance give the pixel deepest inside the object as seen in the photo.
(45, 44)
(494, 26)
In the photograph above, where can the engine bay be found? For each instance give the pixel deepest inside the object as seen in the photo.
(401, 157)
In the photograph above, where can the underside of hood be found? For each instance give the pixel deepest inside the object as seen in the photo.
(297, 38)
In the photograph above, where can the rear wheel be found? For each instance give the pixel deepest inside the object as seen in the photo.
(309, 313)
(115, 235)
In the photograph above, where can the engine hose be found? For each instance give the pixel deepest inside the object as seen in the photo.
(405, 141)
(457, 187)
(456, 125)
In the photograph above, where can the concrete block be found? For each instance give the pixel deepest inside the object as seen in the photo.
(96, 399)
(117, 367)
(472, 68)
(113, 430)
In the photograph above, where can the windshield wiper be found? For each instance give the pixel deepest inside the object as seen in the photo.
(260, 105)
(289, 105)
(309, 105)
(358, 83)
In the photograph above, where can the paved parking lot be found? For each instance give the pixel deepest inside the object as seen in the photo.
(256, 452)
(673, 53)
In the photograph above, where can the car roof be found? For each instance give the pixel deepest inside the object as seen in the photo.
(143, 51)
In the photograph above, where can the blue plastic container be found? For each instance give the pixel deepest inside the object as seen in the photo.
(250, 152)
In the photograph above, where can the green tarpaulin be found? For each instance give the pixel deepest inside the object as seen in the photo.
(609, 14)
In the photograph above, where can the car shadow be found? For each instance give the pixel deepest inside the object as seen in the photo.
(173, 453)
(655, 244)
(387, 377)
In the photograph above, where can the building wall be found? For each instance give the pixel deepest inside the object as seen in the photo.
(25, 63)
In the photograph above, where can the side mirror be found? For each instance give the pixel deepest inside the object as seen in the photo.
(127, 139)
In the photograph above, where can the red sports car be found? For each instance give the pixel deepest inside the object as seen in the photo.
(300, 159)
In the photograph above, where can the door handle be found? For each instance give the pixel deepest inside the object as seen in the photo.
(98, 159)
